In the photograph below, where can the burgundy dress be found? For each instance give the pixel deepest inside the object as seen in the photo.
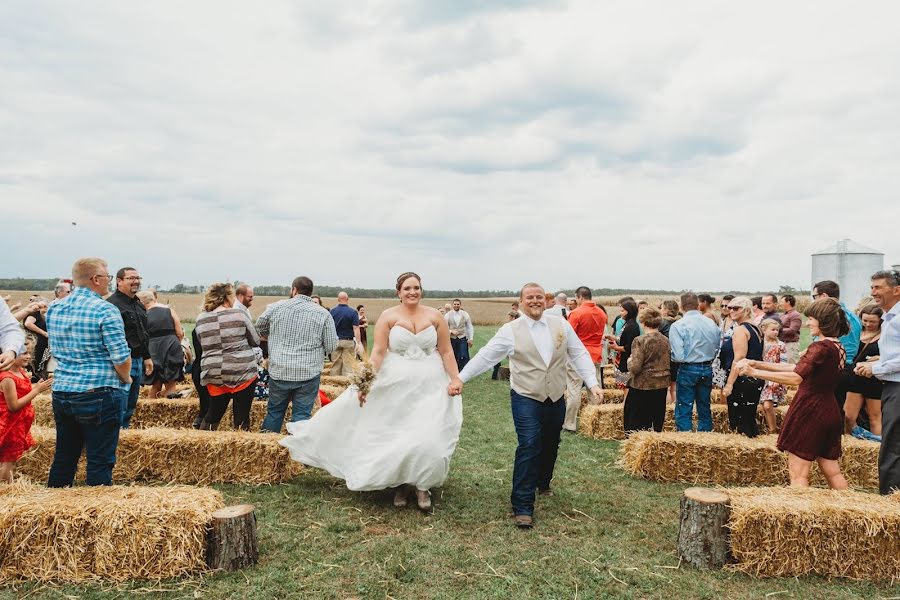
(813, 425)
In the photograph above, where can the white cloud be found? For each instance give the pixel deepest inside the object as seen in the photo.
(658, 144)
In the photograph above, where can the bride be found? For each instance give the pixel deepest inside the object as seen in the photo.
(405, 431)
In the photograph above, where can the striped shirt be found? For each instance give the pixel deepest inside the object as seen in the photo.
(227, 339)
(300, 333)
(87, 338)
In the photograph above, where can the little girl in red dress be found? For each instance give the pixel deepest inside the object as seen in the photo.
(16, 413)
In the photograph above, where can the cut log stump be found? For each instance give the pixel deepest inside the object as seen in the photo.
(703, 533)
(231, 543)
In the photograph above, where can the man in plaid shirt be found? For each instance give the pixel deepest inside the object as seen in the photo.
(300, 334)
(92, 378)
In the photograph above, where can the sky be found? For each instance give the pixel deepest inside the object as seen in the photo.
(666, 145)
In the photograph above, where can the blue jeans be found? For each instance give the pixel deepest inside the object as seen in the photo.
(693, 385)
(538, 425)
(301, 394)
(90, 421)
(460, 351)
(129, 403)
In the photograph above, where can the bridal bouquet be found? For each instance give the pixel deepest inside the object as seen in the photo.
(363, 377)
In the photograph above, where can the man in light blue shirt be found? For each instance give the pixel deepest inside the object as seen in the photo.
(850, 342)
(694, 340)
(886, 291)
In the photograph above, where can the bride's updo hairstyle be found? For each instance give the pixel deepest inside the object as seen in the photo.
(403, 277)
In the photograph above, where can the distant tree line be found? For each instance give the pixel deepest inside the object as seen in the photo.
(330, 291)
(22, 284)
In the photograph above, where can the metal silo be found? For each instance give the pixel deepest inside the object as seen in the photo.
(851, 265)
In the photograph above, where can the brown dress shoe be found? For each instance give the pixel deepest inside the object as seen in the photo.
(547, 492)
(524, 521)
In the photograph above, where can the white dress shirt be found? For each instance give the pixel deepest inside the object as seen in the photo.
(503, 344)
(887, 368)
(556, 309)
(12, 337)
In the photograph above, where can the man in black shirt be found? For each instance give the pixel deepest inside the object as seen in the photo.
(134, 315)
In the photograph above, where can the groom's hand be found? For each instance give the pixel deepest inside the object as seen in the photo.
(597, 394)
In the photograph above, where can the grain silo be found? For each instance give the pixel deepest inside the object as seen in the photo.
(851, 265)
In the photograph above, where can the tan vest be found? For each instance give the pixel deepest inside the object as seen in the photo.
(528, 375)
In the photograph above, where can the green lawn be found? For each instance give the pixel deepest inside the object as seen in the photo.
(604, 535)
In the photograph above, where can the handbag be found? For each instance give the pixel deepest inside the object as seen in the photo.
(622, 379)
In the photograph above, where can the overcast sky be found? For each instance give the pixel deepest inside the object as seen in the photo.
(705, 145)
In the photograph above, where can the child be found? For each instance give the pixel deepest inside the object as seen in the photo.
(774, 351)
(16, 412)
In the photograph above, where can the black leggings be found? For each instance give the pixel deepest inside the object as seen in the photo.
(742, 405)
(243, 400)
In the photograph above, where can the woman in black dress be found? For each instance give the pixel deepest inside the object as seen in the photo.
(36, 324)
(865, 389)
(166, 333)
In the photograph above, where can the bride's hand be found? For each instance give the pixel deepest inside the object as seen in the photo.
(455, 387)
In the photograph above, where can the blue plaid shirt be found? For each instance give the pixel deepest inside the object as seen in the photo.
(87, 337)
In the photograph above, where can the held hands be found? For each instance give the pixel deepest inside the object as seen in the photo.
(455, 387)
(596, 395)
(863, 370)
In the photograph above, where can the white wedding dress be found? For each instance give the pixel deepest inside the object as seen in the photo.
(406, 431)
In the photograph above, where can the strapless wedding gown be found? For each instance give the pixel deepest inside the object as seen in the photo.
(406, 431)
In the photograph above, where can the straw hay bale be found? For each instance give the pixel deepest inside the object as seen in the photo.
(180, 456)
(791, 532)
(335, 380)
(610, 396)
(332, 391)
(608, 421)
(112, 533)
(731, 459)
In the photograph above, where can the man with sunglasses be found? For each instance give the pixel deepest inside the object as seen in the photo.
(886, 291)
(134, 315)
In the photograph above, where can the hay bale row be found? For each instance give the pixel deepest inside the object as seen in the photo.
(731, 459)
(112, 533)
(180, 456)
(335, 380)
(606, 421)
(792, 532)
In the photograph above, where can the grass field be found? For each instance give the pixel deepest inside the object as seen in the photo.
(604, 535)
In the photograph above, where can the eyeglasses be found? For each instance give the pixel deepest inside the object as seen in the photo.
(107, 275)
(133, 278)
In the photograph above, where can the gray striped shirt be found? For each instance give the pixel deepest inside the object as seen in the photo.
(300, 333)
(227, 338)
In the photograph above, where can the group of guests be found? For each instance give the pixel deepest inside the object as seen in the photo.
(104, 345)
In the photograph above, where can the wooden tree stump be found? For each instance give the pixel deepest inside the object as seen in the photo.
(231, 543)
(503, 374)
(703, 534)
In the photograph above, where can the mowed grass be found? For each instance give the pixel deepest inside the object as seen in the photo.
(603, 535)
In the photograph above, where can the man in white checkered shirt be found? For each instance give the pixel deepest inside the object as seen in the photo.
(300, 334)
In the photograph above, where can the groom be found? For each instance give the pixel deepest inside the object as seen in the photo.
(538, 347)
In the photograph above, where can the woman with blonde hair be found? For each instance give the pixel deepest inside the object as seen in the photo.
(166, 333)
(813, 425)
(228, 366)
(741, 393)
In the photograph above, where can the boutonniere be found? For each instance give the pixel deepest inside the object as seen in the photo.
(560, 339)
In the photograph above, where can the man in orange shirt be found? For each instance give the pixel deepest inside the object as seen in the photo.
(589, 323)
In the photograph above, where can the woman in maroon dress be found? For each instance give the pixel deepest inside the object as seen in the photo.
(813, 426)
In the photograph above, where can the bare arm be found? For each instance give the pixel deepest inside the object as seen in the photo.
(13, 404)
(773, 367)
(785, 376)
(176, 323)
(380, 346)
(739, 341)
(30, 325)
(444, 347)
